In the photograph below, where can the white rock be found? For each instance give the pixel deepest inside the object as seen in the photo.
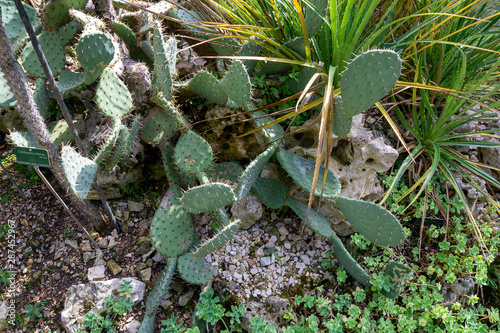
(96, 273)
(132, 327)
(78, 295)
(305, 259)
(266, 261)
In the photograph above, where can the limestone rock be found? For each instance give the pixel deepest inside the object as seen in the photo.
(248, 210)
(96, 273)
(96, 292)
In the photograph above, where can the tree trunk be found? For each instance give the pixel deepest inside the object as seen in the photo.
(36, 124)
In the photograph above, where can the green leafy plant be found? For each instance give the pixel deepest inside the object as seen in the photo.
(34, 310)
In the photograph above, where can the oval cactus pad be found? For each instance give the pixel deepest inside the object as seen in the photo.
(79, 171)
(368, 78)
(193, 154)
(373, 221)
(207, 197)
(172, 230)
(302, 171)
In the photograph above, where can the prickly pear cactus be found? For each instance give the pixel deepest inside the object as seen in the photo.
(79, 171)
(222, 237)
(207, 197)
(195, 270)
(54, 52)
(125, 33)
(373, 221)
(302, 171)
(113, 97)
(271, 192)
(172, 230)
(95, 50)
(368, 78)
(56, 12)
(193, 154)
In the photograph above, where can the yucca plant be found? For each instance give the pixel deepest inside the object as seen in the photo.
(434, 120)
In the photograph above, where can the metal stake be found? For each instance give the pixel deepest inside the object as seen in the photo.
(13, 181)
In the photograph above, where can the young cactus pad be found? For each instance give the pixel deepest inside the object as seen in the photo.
(113, 97)
(222, 237)
(207, 197)
(373, 221)
(302, 171)
(193, 154)
(252, 172)
(368, 78)
(162, 78)
(172, 230)
(79, 171)
(341, 122)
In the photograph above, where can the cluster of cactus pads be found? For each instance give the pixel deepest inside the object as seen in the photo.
(189, 161)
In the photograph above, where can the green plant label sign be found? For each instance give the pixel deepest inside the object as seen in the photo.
(32, 156)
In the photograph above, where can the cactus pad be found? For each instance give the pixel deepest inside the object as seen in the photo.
(207, 86)
(172, 229)
(207, 197)
(56, 12)
(222, 237)
(94, 51)
(273, 132)
(160, 288)
(302, 171)
(113, 97)
(193, 154)
(158, 126)
(348, 262)
(252, 172)
(69, 80)
(6, 96)
(341, 121)
(162, 78)
(236, 84)
(54, 53)
(125, 33)
(225, 172)
(373, 221)
(315, 220)
(195, 270)
(24, 139)
(398, 274)
(11, 20)
(109, 145)
(41, 97)
(271, 192)
(250, 49)
(68, 32)
(368, 78)
(79, 171)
